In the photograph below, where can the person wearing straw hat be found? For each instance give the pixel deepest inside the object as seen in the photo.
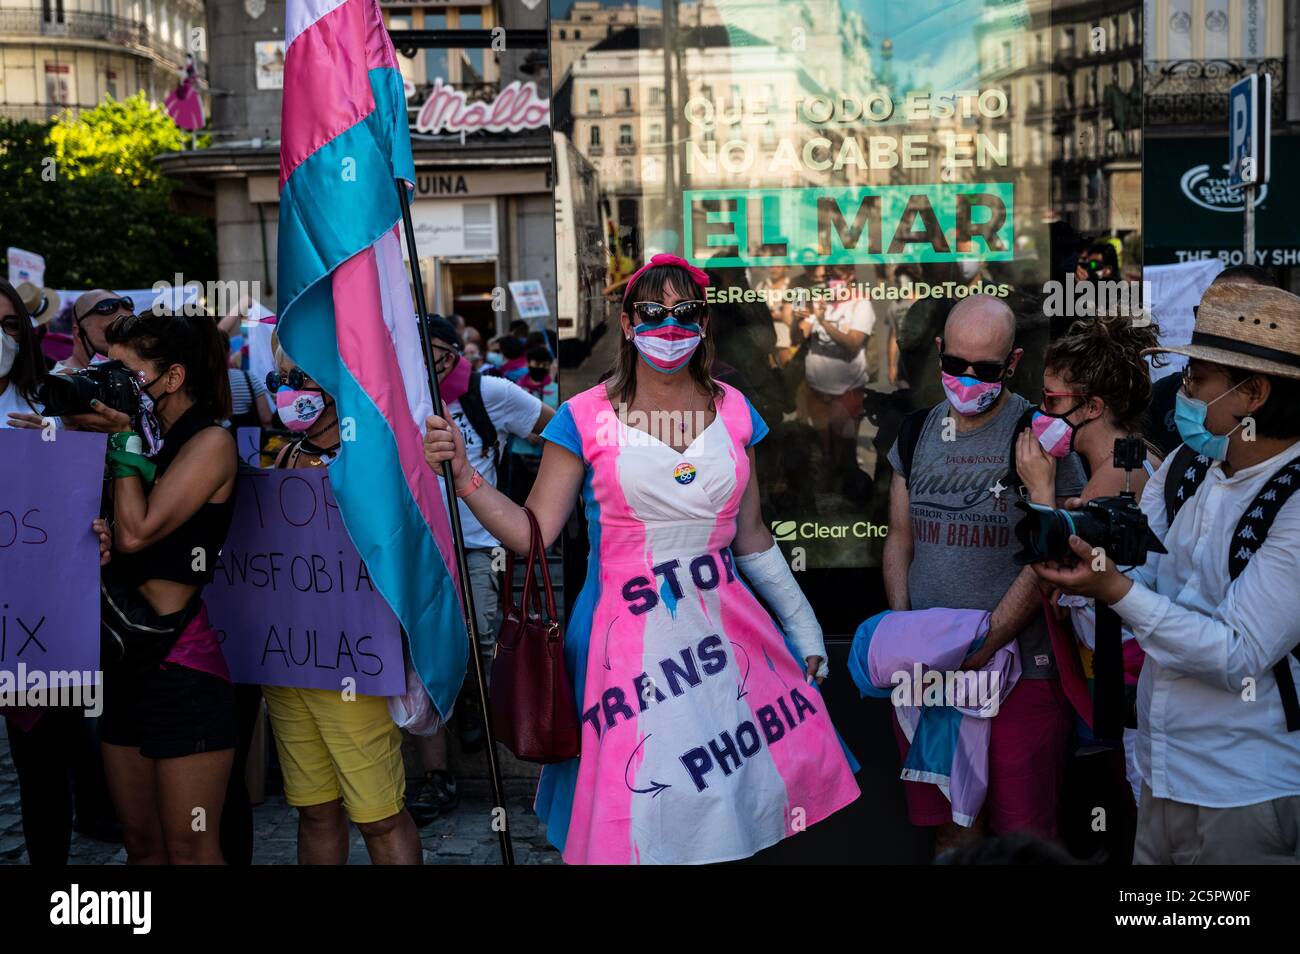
(1218, 615)
(42, 303)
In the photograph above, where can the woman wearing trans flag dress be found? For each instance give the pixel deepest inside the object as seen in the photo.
(705, 737)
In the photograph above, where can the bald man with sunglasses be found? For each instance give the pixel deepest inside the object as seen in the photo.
(92, 313)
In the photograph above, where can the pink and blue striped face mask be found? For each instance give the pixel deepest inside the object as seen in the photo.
(667, 343)
(969, 395)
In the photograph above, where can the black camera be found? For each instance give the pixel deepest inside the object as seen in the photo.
(112, 384)
(1116, 524)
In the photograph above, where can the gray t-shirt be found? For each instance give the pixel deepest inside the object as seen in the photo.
(962, 530)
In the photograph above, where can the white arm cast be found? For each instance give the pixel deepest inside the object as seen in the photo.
(770, 576)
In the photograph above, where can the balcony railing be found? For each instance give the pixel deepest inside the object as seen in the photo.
(1195, 92)
(90, 26)
(33, 114)
(85, 26)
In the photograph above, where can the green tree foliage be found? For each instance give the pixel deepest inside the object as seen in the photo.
(84, 192)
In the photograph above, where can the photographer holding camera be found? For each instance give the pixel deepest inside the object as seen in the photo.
(167, 728)
(1218, 743)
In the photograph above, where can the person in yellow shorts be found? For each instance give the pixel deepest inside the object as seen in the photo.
(341, 758)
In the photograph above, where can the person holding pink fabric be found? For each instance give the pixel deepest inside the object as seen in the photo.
(704, 734)
(950, 545)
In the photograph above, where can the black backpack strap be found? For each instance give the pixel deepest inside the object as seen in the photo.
(1013, 474)
(1186, 471)
(471, 402)
(1252, 529)
(909, 435)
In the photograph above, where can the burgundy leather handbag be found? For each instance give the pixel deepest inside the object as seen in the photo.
(533, 710)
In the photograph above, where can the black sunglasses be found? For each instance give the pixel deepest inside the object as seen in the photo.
(295, 379)
(682, 311)
(108, 306)
(12, 326)
(986, 371)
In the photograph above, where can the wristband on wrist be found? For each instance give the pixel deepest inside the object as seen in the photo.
(475, 483)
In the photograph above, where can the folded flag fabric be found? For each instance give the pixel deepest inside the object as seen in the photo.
(915, 658)
(346, 316)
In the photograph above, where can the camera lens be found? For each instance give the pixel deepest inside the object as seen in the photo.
(61, 394)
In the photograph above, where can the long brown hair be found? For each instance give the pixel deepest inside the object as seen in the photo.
(29, 367)
(1103, 358)
(654, 284)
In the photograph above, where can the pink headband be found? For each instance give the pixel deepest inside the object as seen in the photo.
(699, 276)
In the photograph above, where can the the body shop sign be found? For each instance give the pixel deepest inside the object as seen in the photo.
(516, 107)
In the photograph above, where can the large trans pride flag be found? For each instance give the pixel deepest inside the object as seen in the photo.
(346, 315)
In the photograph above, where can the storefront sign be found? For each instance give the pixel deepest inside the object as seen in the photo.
(923, 223)
(1193, 212)
(516, 107)
(447, 228)
(479, 183)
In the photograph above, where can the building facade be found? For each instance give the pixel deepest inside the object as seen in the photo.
(483, 208)
(72, 54)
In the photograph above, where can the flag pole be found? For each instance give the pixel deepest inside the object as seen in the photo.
(458, 539)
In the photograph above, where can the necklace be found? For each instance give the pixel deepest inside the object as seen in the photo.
(321, 456)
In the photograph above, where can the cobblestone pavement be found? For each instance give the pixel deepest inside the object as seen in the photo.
(463, 838)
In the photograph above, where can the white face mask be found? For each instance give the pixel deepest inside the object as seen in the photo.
(8, 354)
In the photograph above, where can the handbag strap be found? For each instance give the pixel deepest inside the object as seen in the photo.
(538, 547)
(536, 555)
(507, 599)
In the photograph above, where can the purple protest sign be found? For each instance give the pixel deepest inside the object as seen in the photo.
(291, 598)
(49, 558)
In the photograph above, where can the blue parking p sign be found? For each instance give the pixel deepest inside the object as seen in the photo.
(1249, 120)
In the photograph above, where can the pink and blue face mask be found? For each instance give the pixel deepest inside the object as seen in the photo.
(666, 344)
(969, 395)
(299, 409)
(1055, 434)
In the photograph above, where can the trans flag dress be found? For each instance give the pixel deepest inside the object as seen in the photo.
(701, 738)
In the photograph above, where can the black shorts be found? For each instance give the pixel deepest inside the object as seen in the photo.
(167, 712)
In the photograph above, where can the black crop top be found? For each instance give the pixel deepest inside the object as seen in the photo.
(174, 557)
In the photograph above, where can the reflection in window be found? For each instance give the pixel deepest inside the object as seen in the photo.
(437, 64)
(471, 61)
(795, 184)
